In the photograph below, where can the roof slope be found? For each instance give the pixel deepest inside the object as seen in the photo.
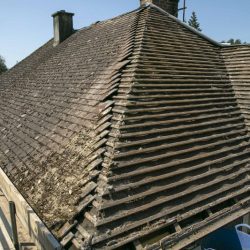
(54, 115)
(237, 60)
(134, 130)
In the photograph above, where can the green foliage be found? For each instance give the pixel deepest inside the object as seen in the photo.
(237, 41)
(231, 41)
(3, 66)
(193, 22)
(234, 41)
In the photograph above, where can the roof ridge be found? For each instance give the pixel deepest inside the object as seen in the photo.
(133, 42)
(122, 62)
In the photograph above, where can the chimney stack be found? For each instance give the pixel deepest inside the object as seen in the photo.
(63, 26)
(170, 6)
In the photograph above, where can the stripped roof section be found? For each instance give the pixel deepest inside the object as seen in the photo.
(135, 131)
(178, 148)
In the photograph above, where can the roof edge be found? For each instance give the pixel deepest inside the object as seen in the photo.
(198, 231)
(186, 26)
(37, 230)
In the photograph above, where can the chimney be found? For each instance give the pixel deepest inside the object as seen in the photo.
(171, 6)
(63, 26)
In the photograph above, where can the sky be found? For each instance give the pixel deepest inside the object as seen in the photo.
(25, 25)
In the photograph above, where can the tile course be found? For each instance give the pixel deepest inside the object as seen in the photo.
(129, 126)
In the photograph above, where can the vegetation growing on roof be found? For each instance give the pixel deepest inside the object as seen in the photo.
(193, 22)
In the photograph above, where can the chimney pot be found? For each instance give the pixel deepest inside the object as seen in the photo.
(63, 26)
(171, 6)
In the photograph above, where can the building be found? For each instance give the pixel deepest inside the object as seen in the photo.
(130, 133)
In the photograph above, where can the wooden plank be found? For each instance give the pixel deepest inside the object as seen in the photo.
(151, 180)
(163, 138)
(39, 233)
(83, 232)
(161, 201)
(87, 189)
(160, 167)
(66, 228)
(214, 171)
(76, 244)
(138, 245)
(204, 228)
(23, 236)
(125, 164)
(173, 220)
(193, 109)
(69, 237)
(190, 142)
(177, 227)
(246, 220)
(181, 113)
(5, 240)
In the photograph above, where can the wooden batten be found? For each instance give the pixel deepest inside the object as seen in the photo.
(38, 232)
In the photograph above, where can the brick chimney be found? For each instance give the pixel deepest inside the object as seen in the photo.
(171, 6)
(63, 26)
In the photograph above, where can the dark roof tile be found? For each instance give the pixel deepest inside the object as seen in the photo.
(128, 127)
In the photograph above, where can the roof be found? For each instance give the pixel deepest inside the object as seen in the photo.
(128, 130)
(237, 60)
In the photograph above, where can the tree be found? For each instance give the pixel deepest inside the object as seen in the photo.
(3, 66)
(231, 41)
(193, 22)
(234, 41)
(237, 41)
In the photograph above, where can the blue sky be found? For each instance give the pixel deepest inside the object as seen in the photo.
(25, 25)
